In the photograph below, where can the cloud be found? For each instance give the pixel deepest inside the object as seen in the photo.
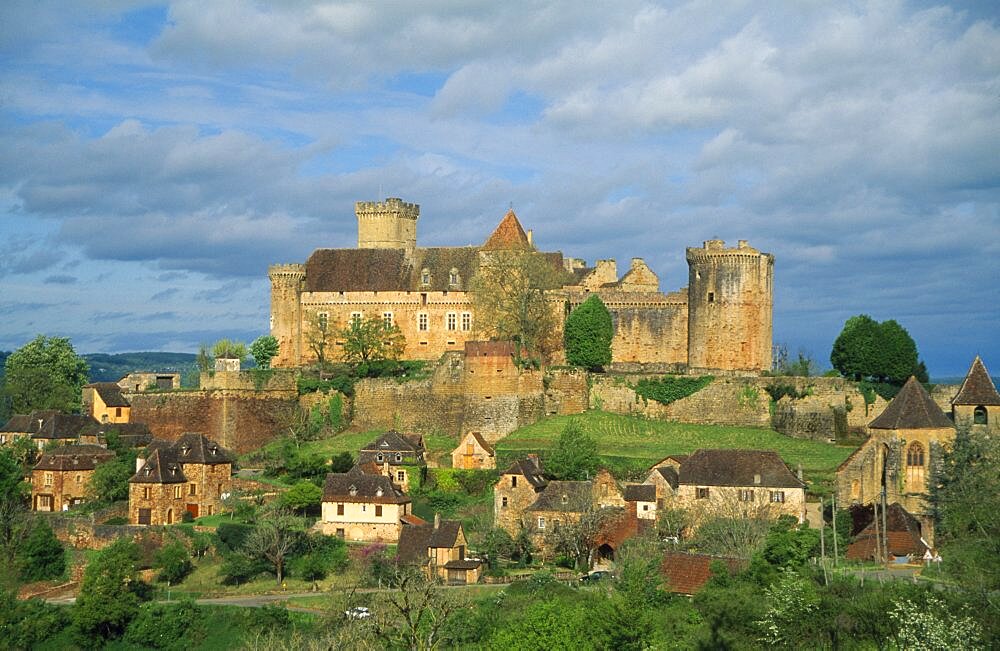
(60, 279)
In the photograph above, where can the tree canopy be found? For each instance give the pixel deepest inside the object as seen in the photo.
(587, 335)
(264, 349)
(45, 373)
(372, 339)
(228, 349)
(575, 455)
(881, 352)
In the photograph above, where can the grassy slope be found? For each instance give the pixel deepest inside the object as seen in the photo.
(636, 441)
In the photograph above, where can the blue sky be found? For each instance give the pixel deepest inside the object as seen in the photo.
(156, 157)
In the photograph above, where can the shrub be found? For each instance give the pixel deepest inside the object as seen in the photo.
(164, 625)
(174, 562)
(41, 555)
(779, 391)
(239, 568)
(671, 387)
(232, 535)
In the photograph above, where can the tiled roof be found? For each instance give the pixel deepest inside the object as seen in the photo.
(389, 445)
(370, 468)
(19, 423)
(74, 457)
(737, 468)
(508, 235)
(159, 469)
(415, 541)
(359, 270)
(688, 573)
(110, 393)
(640, 493)
(50, 424)
(132, 434)
(193, 447)
(445, 534)
(360, 488)
(903, 537)
(912, 408)
(412, 520)
(568, 496)
(530, 469)
(977, 388)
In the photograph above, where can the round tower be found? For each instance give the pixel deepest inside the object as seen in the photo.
(287, 281)
(389, 224)
(730, 306)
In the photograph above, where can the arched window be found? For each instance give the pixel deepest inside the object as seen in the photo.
(855, 490)
(980, 416)
(915, 476)
(915, 455)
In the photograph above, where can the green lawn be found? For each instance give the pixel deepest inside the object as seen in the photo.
(351, 442)
(636, 442)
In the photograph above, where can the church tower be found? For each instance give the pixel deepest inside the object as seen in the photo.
(389, 224)
(730, 302)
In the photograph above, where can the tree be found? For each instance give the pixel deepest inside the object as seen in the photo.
(372, 339)
(273, 540)
(932, 626)
(577, 540)
(497, 544)
(508, 296)
(302, 496)
(13, 512)
(174, 562)
(45, 373)
(203, 359)
(341, 462)
(881, 352)
(319, 335)
(264, 349)
(109, 483)
(40, 554)
(228, 349)
(110, 593)
(411, 616)
(587, 335)
(574, 456)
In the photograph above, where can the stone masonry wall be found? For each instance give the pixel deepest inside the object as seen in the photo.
(566, 391)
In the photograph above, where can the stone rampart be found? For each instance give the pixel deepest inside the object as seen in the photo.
(567, 391)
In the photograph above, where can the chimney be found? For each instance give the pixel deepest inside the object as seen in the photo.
(437, 520)
(533, 458)
(138, 463)
(531, 237)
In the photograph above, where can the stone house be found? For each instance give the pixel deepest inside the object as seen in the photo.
(398, 456)
(515, 491)
(738, 483)
(906, 441)
(473, 453)
(62, 476)
(441, 550)
(105, 403)
(566, 502)
(663, 476)
(641, 499)
(363, 507)
(45, 427)
(977, 404)
(192, 474)
(144, 381)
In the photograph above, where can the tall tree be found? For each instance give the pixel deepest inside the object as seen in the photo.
(575, 455)
(319, 336)
(882, 352)
(110, 593)
(45, 373)
(263, 350)
(273, 540)
(508, 295)
(588, 333)
(372, 339)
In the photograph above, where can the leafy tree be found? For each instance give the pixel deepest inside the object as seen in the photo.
(588, 333)
(109, 483)
(203, 360)
(319, 335)
(303, 496)
(240, 568)
(264, 349)
(165, 625)
(371, 339)
(228, 349)
(110, 593)
(790, 601)
(497, 544)
(577, 540)
(174, 562)
(45, 373)
(575, 455)
(869, 350)
(13, 512)
(411, 616)
(508, 295)
(323, 554)
(341, 462)
(40, 555)
(29, 624)
(932, 626)
(273, 540)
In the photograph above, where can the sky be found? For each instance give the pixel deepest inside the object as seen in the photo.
(155, 157)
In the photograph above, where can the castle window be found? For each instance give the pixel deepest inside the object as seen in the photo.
(466, 321)
(915, 455)
(746, 495)
(422, 322)
(451, 321)
(777, 497)
(356, 318)
(324, 320)
(980, 416)
(701, 493)
(387, 319)
(711, 297)
(425, 277)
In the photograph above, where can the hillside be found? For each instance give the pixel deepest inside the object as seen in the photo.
(106, 367)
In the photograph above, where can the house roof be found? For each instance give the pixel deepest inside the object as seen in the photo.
(20, 423)
(415, 541)
(480, 440)
(412, 520)
(464, 564)
(903, 536)
(389, 445)
(912, 408)
(678, 458)
(688, 573)
(737, 468)
(977, 388)
(159, 469)
(669, 474)
(370, 468)
(74, 457)
(132, 434)
(568, 496)
(110, 393)
(508, 235)
(49, 424)
(193, 447)
(530, 468)
(361, 488)
(640, 493)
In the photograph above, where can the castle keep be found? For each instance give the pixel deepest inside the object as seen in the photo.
(720, 321)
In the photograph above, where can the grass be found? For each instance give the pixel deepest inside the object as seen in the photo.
(636, 442)
(205, 581)
(348, 441)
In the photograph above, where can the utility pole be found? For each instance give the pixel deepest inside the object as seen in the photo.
(822, 541)
(833, 509)
(878, 541)
(885, 526)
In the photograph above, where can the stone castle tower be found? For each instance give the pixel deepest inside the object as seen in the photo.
(730, 303)
(389, 224)
(287, 282)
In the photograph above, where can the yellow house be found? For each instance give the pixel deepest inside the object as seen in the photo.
(105, 403)
(473, 453)
(363, 507)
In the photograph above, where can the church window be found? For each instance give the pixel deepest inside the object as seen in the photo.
(466, 321)
(356, 317)
(915, 468)
(324, 320)
(980, 416)
(915, 455)
(387, 319)
(451, 320)
(422, 322)
(425, 277)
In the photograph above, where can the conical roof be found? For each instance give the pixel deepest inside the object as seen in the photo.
(912, 408)
(977, 388)
(508, 235)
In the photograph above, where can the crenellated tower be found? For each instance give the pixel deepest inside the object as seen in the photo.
(730, 303)
(287, 281)
(389, 224)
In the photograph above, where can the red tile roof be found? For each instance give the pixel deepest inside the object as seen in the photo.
(508, 235)
(688, 573)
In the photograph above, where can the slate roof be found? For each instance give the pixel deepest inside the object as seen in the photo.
(567, 496)
(159, 469)
(373, 270)
(389, 445)
(110, 393)
(368, 489)
(193, 447)
(640, 493)
(977, 388)
(508, 235)
(415, 541)
(737, 468)
(912, 408)
(132, 434)
(688, 573)
(19, 423)
(54, 424)
(669, 474)
(74, 457)
(903, 537)
(530, 469)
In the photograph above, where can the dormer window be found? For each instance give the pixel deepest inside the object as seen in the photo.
(185, 449)
(425, 276)
(380, 457)
(173, 471)
(453, 277)
(384, 444)
(353, 490)
(149, 471)
(213, 450)
(756, 480)
(378, 492)
(565, 499)
(399, 457)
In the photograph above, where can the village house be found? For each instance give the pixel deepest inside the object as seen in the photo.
(363, 507)
(473, 453)
(45, 427)
(566, 502)
(192, 474)
(663, 475)
(641, 500)
(398, 456)
(898, 534)
(739, 483)
(977, 404)
(440, 550)
(61, 478)
(105, 403)
(515, 491)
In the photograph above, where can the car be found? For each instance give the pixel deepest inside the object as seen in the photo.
(595, 576)
(358, 612)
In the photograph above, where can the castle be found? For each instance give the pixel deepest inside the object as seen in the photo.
(720, 322)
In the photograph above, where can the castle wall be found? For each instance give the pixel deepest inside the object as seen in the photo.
(286, 312)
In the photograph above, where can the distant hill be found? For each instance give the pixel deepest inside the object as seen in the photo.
(105, 367)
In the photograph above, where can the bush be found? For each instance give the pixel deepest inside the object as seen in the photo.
(174, 562)
(476, 482)
(588, 333)
(116, 521)
(779, 391)
(239, 568)
(41, 556)
(671, 387)
(26, 624)
(232, 535)
(164, 625)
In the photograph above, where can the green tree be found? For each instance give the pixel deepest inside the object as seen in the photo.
(303, 496)
(264, 349)
(174, 562)
(574, 456)
(933, 627)
(203, 360)
(881, 352)
(497, 544)
(273, 540)
(228, 349)
(341, 462)
(165, 625)
(13, 513)
(45, 373)
(587, 335)
(110, 594)
(371, 339)
(109, 483)
(40, 556)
